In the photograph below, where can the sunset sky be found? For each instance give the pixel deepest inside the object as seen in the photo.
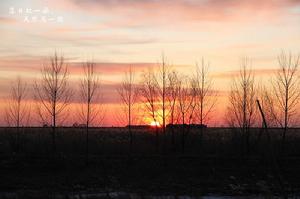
(118, 33)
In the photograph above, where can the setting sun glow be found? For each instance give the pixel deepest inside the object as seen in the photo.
(117, 35)
(153, 124)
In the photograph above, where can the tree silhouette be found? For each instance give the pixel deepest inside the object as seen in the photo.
(149, 95)
(128, 92)
(52, 93)
(205, 97)
(241, 109)
(172, 98)
(161, 84)
(286, 91)
(186, 106)
(17, 111)
(89, 94)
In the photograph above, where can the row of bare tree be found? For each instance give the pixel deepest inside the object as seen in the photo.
(166, 96)
(53, 95)
(279, 101)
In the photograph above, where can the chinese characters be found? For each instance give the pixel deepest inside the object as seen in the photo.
(30, 15)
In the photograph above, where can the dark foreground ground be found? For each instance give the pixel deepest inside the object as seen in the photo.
(220, 162)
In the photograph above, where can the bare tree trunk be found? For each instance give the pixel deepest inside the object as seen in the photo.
(161, 84)
(205, 97)
(90, 108)
(185, 106)
(52, 93)
(285, 115)
(172, 96)
(128, 93)
(241, 111)
(156, 137)
(149, 93)
(286, 92)
(172, 132)
(16, 110)
(129, 125)
(54, 125)
(87, 130)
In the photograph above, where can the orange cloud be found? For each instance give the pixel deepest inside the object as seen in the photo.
(7, 20)
(236, 73)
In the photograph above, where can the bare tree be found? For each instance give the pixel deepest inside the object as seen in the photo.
(193, 102)
(172, 97)
(128, 93)
(52, 93)
(267, 102)
(184, 99)
(162, 83)
(242, 97)
(205, 96)
(17, 112)
(149, 94)
(89, 93)
(286, 91)
(186, 106)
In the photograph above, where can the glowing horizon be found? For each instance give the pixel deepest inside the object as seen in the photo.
(117, 34)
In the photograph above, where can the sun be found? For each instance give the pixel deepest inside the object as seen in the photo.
(154, 124)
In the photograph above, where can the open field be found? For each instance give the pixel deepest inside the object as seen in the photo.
(218, 162)
(35, 141)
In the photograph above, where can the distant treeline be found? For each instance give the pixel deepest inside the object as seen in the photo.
(164, 95)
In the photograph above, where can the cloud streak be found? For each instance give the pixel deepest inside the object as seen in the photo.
(35, 64)
(154, 11)
(236, 73)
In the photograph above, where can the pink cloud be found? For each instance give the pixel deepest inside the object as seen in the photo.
(140, 13)
(236, 73)
(112, 68)
(33, 64)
